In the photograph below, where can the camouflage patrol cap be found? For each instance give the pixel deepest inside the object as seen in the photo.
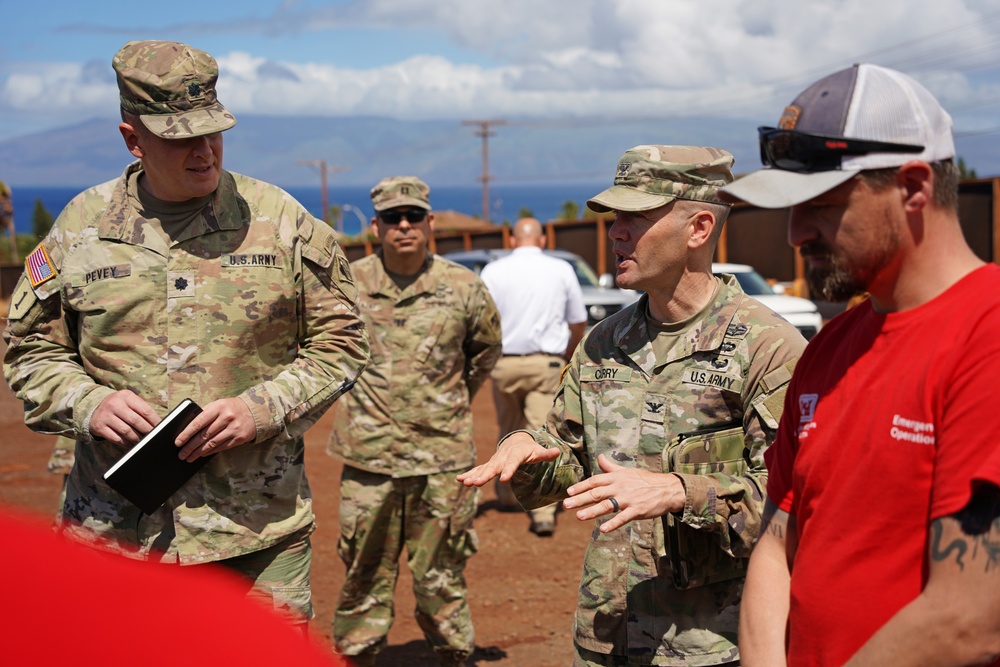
(400, 191)
(171, 87)
(652, 176)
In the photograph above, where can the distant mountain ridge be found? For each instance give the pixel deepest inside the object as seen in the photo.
(442, 152)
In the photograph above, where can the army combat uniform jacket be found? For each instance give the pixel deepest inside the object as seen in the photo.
(433, 345)
(253, 299)
(666, 591)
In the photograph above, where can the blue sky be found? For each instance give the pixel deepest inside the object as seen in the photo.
(537, 59)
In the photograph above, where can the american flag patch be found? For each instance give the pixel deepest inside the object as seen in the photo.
(39, 266)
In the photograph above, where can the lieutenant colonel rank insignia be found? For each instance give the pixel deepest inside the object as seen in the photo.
(39, 266)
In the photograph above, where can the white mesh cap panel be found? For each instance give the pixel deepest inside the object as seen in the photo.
(890, 106)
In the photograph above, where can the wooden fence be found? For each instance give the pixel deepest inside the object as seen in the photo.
(752, 236)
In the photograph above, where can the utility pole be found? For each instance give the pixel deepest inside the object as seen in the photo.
(484, 132)
(324, 195)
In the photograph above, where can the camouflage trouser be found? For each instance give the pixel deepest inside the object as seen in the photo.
(584, 658)
(61, 463)
(63, 456)
(280, 576)
(523, 390)
(431, 515)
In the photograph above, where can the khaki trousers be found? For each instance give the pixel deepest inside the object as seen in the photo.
(523, 390)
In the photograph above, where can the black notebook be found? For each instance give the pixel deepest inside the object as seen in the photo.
(151, 472)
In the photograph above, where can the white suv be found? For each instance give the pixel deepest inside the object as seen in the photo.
(802, 313)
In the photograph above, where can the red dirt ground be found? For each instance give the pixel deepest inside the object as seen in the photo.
(522, 588)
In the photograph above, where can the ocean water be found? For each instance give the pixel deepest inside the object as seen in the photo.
(506, 201)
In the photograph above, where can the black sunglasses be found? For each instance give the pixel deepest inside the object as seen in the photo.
(806, 152)
(413, 216)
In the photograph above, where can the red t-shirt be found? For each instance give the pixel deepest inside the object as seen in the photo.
(888, 423)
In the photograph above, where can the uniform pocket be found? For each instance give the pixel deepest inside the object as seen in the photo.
(293, 602)
(427, 333)
(463, 542)
(347, 542)
(695, 556)
(716, 451)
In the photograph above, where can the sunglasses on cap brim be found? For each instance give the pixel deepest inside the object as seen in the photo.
(412, 216)
(792, 150)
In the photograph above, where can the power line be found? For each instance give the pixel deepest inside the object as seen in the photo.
(976, 133)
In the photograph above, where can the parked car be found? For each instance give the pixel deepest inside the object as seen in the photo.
(802, 313)
(600, 296)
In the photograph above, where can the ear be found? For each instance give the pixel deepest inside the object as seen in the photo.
(916, 182)
(374, 227)
(131, 138)
(700, 228)
(430, 221)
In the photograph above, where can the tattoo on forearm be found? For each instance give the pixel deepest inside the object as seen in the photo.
(770, 523)
(992, 550)
(938, 554)
(980, 525)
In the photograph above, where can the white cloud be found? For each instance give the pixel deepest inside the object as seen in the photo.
(572, 58)
(57, 89)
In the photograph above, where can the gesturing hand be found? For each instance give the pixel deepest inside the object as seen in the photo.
(518, 449)
(636, 494)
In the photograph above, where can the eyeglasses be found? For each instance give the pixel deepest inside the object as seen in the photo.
(806, 152)
(413, 216)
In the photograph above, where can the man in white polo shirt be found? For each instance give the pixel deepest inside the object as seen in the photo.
(543, 319)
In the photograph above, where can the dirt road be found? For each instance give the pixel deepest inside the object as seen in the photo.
(522, 588)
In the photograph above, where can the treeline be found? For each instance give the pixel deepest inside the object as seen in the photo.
(41, 223)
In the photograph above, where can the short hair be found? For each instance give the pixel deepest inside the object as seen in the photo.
(720, 211)
(945, 194)
(132, 119)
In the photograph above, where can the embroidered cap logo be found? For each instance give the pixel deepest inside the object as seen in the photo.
(790, 118)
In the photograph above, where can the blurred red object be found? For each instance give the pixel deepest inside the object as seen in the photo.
(66, 603)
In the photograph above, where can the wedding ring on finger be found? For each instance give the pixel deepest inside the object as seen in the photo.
(614, 504)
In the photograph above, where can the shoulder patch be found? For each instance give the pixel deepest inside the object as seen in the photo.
(38, 266)
(22, 300)
(319, 247)
(345, 278)
(771, 402)
(779, 376)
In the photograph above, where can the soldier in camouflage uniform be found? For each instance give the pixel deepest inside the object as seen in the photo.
(659, 427)
(182, 280)
(407, 428)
